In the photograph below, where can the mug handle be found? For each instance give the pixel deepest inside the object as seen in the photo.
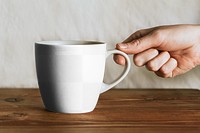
(105, 86)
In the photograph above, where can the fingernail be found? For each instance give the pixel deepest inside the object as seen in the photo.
(123, 45)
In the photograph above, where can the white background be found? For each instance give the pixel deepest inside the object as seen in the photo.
(23, 22)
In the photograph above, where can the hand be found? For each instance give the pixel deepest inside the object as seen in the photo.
(166, 50)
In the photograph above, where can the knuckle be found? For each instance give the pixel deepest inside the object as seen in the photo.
(174, 61)
(137, 60)
(161, 75)
(165, 76)
(136, 43)
(151, 66)
(164, 70)
(158, 35)
(166, 54)
(154, 51)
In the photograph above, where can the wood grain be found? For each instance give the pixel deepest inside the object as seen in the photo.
(134, 110)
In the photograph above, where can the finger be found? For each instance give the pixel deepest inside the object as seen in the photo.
(156, 63)
(138, 34)
(169, 75)
(139, 45)
(178, 71)
(166, 70)
(119, 59)
(145, 56)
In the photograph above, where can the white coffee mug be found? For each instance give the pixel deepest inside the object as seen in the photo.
(70, 74)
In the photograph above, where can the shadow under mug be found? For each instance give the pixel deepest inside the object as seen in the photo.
(70, 74)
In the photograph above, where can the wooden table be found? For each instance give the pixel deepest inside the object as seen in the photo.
(136, 110)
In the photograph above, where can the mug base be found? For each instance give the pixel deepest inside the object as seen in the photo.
(69, 112)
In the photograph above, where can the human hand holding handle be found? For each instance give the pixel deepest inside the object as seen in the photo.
(166, 50)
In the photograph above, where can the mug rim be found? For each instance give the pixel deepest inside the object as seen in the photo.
(70, 42)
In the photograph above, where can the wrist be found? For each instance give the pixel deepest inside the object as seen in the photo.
(196, 32)
(198, 47)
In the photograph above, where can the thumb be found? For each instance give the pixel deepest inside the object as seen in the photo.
(138, 45)
(138, 34)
